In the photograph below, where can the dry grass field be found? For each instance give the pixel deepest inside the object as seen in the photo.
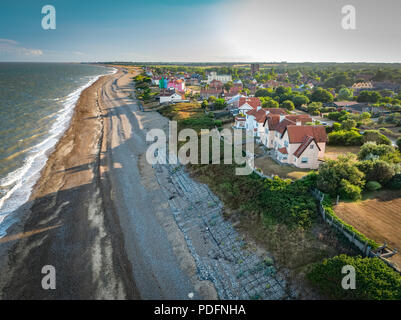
(379, 218)
(270, 167)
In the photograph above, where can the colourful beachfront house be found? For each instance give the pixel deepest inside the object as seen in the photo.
(177, 85)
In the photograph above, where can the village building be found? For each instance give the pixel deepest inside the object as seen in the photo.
(167, 96)
(301, 146)
(246, 104)
(360, 86)
(219, 77)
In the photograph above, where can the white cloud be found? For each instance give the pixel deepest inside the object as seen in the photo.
(11, 47)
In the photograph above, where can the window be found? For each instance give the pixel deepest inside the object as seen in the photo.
(304, 160)
(286, 143)
(311, 146)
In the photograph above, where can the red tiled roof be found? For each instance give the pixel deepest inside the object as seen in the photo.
(304, 118)
(251, 112)
(283, 150)
(307, 141)
(280, 127)
(296, 134)
(276, 110)
(272, 121)
(345, 103)
(260, 116)
(252, 101)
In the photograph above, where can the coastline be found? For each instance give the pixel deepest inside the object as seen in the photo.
(27, 176)
(64, 217)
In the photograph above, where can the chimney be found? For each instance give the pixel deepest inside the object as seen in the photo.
(282, 117)
(258, 108)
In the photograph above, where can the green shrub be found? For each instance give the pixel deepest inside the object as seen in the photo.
(374, 279)
(395, 182)
(349, 191)
(347, 138)
(376, 136)
(218, 123)
(373, 186)
(376, 170)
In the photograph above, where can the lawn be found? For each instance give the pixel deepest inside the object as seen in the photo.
(270, 167)
(332, 152)
(378, 217)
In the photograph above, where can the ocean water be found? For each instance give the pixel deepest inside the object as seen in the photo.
(36, 105)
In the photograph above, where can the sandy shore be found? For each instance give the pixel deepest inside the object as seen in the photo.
(97, 213)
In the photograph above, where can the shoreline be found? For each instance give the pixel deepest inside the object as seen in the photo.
(61, 221)
(30, 171)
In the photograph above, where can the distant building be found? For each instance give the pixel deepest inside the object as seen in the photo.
(255, 68)
(360, 86)
(224, 78)
(171, 96)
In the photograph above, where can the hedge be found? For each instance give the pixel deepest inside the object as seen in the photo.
(374, 280)
(328, 209)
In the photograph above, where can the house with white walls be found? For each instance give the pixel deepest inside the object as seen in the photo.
(246, 104)
(302, 146)
(171, 96)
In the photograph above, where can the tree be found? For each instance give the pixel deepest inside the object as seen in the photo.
(220, 104)
(345, 138)
(270, 104)
(376, 170)
(300, 100)
(348, 124)
(333, 173)
(376, 136)
(336, 126)
(315, 108)
(321, 95)
(369, 96)
(228, 85)
(263, 93)
(371, 150)
(398, 143)
(345, 94)
(375, 280)
(283, 90)
(211, 99)
(288, 104)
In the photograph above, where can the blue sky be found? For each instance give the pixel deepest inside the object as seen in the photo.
(203, 30)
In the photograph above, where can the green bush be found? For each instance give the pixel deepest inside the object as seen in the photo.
(349, 191)
(218, 123)
(376, 170)
(376, 136)
(346, 138)
(395, 182)
(374, 279)
(373, 186)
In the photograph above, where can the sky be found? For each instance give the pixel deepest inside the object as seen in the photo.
(201, 31)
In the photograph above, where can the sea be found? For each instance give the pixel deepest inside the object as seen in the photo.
(37, 101)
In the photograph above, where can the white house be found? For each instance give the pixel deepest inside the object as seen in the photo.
(246, 104)
(302, 146)
(168, 97)
(219, 77)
